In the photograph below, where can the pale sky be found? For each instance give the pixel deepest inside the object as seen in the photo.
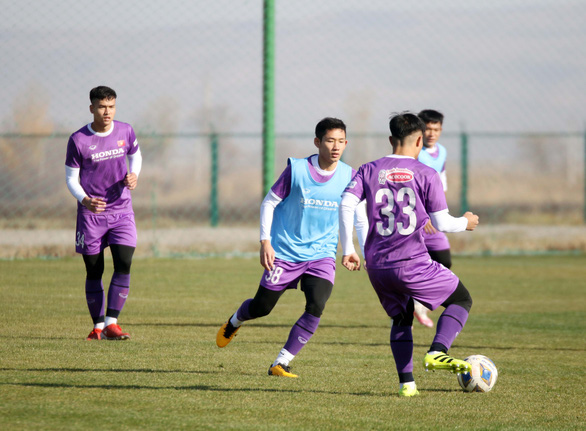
(180, 66)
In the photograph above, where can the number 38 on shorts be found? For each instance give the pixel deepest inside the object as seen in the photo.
(274, 276)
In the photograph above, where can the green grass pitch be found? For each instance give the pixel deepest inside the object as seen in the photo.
(528, 317)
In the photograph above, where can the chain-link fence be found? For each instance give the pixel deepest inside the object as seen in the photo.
(189, 79)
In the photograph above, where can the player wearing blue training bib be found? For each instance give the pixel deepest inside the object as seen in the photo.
(299, 238)
(434, 155)
(312, 207)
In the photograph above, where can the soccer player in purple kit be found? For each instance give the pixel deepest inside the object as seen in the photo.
(401, 195)
(299, 238)
(434, 155)
(97, 176)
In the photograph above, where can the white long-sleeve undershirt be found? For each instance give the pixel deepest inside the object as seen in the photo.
(444, 178)
(135, 162)
(72, 181)
(441, 220)
(347, 210)
(72, 175)
(267, 210)
(271, 200)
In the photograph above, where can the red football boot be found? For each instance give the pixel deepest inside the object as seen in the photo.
(114, 332)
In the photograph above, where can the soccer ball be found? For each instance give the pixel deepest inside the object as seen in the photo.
(482, 377)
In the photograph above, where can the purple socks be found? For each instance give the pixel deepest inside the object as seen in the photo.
(301, 332)
(402, 348)
(242, 314)
(449, 325)
(94, 295)
(117, 293)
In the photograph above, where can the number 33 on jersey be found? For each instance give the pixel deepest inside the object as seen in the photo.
(400, 193)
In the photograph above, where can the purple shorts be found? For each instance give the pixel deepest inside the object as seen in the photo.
(436, 241)
(424, 280)
(96, 232)
(286, 275)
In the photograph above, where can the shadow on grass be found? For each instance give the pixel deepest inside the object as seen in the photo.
(253, 325)
(119, 370)
(213, 389)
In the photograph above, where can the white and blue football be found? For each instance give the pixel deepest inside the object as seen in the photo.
(481, 377)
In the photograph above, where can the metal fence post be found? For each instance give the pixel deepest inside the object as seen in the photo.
(268, 94)
(214, 211)
(584, 169)
(464, 171)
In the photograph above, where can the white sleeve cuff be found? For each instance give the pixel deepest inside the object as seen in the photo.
(267, 210)
(444, 222)
(72, 181)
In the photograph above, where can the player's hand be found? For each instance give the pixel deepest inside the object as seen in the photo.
(472, 220)
(429, 229)
(95, 205)
(130, 181)
(351, 262)
(267, 255)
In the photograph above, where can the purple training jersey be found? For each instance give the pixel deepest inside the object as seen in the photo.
(400, 192)
(101, 159)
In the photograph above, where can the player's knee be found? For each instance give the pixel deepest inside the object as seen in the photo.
(123, 266)
(315, 308)
(94, 266)
(467, 304)
(258, 308)
(94, 273)
(460, 297)
(122, 257)
(403, 319)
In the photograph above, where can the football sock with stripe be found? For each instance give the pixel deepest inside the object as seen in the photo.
(96, 300)
(117, 293)
(301, 333)
(449, 325)
(402, 348)
(243, 313)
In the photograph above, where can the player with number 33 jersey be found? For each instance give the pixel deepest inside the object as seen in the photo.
(402, 194)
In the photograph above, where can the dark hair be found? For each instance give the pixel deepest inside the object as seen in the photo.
(405, 124)
(326, 124)
(431, 116)
(102, 92)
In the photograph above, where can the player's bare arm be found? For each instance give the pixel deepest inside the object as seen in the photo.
(267, 255)
(131, 181)
(95, 205)
(472, 220)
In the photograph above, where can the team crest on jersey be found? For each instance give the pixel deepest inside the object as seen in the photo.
(121, 143)
(395, 175)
